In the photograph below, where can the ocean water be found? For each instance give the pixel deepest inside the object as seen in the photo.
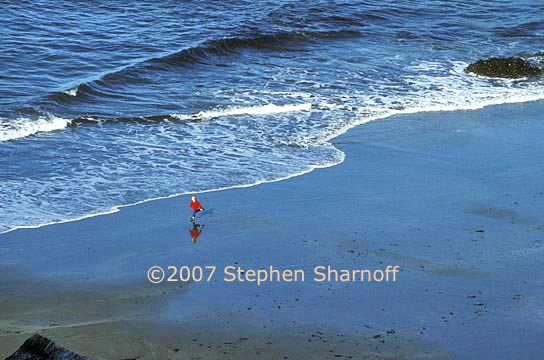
(109, 103)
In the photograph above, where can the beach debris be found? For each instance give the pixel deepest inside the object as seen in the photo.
(504, 67)
(38, 347)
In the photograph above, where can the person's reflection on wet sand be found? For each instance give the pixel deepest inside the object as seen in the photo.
(195, 232)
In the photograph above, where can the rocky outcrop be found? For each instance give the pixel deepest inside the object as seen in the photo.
(38, 347)
(511, 67)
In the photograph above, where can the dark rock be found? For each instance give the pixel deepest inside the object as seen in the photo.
(510, 67)
(38, 347)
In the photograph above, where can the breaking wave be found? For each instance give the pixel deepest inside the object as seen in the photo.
(23, 127)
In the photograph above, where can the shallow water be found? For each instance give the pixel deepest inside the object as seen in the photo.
(105, 104)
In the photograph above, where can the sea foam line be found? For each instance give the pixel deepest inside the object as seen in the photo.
(115, 209)
(386, 113)
(250, 110)
(24, 127)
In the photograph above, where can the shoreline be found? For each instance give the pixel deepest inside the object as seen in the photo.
(329, 139)
(432, 193)
(118, 208)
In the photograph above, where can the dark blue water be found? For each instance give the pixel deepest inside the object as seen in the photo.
(106, 103)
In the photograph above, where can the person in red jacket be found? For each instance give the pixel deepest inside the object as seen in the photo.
(196, 206)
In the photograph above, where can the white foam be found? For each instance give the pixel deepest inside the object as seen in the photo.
(72, 91)
(340, 159)
(421, 90)
(458, 91)
(251, 110)
(23, 127)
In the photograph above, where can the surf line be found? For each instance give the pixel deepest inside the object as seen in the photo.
(320, 273)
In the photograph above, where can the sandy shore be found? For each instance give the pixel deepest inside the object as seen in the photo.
(454, 199)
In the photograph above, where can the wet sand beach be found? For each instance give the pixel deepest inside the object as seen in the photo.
(452, 198)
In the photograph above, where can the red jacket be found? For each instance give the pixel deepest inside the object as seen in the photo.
(196, 205)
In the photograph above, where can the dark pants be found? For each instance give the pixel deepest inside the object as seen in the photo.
(197, 211)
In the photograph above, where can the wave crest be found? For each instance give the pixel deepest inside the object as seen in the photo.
(199, 54)
(23, 127)
(230, 45)
(268, 109)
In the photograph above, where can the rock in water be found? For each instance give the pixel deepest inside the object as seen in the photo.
(38, 347)
(510, 67)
